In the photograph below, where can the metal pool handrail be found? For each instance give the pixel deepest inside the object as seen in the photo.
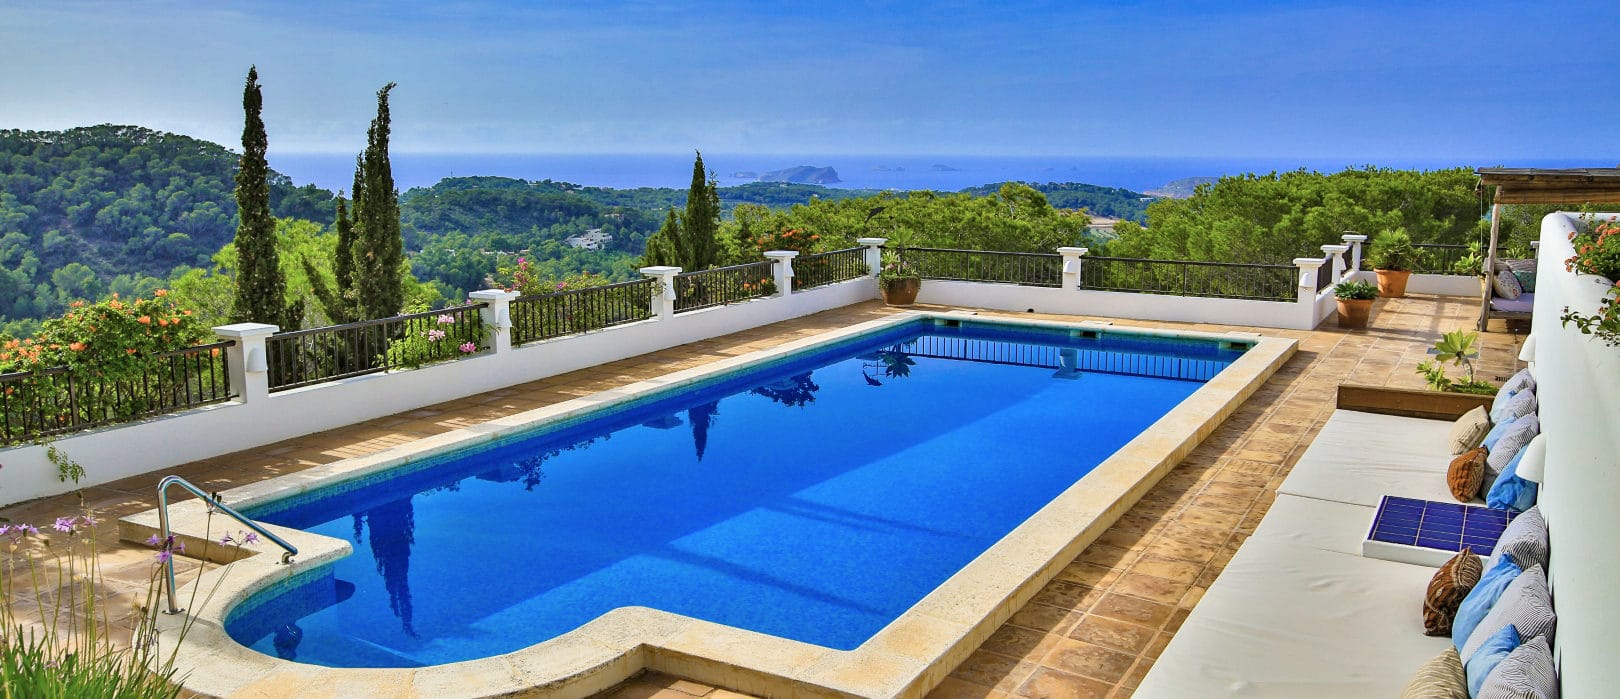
(213, 504)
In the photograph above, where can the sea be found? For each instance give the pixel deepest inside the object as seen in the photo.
(900, 172)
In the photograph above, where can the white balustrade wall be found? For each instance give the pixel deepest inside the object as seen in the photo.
(1578, 387)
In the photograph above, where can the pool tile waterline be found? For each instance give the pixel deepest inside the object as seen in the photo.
(1290, 403)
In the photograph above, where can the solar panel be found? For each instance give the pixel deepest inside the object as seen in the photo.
(1437, 530)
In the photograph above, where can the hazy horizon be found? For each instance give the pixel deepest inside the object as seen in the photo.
(1311, 80)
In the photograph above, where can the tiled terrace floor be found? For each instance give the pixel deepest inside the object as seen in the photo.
(1094, 632)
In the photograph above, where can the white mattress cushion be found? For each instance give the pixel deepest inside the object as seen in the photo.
(1291, 620)
(1358, 458)
(1319, 524)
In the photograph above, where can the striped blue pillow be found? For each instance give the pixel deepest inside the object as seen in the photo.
(1478, 603)
(1526, 672)
(1496, 649)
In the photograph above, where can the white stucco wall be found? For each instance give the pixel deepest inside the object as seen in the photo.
(120, 451)
(1444, 285)
(1578, 385)
(1113, 304)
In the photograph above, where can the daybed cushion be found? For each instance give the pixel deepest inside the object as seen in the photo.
(1525, 540)
(1440, 678)
(1525, 605)
(1470, 429)
(1518, 434)
(1477, 605)
(1506, 285)
(1526, 672)
(1446, 590)
(1358, 458)
(1518, 405)
(1524, 304)
(1492, 652)
(1318, 524)
(1518, 382)
(1286, 620)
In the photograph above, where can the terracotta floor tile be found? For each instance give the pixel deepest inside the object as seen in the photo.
(1112, 633)
(1168, 568)
(1048, 683)
(993, 670)
(1089, 660)
(1132, 609)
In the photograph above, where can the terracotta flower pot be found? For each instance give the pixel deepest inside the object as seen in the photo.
(1353, 313)
(1391, 283)
(900, 292)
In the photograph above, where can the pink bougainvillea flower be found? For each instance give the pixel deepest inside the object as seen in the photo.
(446, 319)
(469, 348)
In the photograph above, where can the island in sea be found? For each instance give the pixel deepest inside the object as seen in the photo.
(802, 174)
(1180, 189)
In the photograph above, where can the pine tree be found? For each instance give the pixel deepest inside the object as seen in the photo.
(261, 288)
(378, 248)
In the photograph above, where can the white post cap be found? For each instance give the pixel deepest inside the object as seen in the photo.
(871, 242)
(781, 254)
(246, 330)
(1336, 249)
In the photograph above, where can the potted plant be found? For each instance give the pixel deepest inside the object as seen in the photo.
(1355, 303)
(1392, 257)
(899, 280)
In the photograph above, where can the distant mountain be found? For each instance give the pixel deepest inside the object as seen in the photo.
(1180, 189)
(802, 174)
(944, 168)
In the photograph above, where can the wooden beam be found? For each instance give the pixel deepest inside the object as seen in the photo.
(1409, 402)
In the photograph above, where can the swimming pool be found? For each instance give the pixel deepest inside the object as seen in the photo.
(816, 497)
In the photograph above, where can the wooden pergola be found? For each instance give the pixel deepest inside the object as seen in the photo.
(1515, 185)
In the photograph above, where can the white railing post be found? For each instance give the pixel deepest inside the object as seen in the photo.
(1337, 251)
(1309, 268)
(1356, 241)
(874, 252)
(783, 269)
(1073, 258)
(497, 316)
(249, 365)
(663, 302)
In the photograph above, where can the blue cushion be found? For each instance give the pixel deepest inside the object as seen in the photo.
(1478, 603)
(1510, 492)
(1484, 660)
(1497, 430)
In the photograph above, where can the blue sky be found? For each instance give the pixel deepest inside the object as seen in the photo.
(1468, 80)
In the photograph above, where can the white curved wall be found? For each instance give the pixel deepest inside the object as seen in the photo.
(1578, 384)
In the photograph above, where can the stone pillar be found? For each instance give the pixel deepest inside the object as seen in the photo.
(874, 252)
(663, 302)
(1309, 268)
(249, 365)
(1356, 242)
(784, 270)
(1337, 251)
(1072, 259)
(497, 315)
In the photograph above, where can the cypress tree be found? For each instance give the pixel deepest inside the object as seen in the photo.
(660, 251)
(698, 245)
(261, 288)
(379, 249)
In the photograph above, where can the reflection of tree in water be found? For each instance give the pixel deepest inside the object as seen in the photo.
(702, 418)
(892, 363)
(393, 531)
(795, 392)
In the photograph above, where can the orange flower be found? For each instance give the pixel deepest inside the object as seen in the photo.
(160, 293)
(163, 322)
(130, 350)
(77, 347)
(213, 352)
(76, 304)
(186, 312)
(14, 344)
(144, 320)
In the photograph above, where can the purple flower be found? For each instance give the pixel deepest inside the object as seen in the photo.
(64, 525)
(226, 540)
(163, 556)
(88, 521)
(5, 529)
(154, 540)
(250, 538)
(29, 528)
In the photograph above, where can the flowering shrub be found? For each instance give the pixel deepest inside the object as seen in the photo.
(787, 239)
(439, 338)
(525, 279)
(1597, 251)
(103, 365)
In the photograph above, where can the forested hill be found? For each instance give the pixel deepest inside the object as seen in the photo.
(1113, 202)
(658, 199)
(79, 208)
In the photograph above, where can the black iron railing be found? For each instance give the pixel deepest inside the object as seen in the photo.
(1324, 274)
(64, 399)
(825, 268)
(305, 357)
(1024, 268)
(1438, 258)
(1060, 358)
(723, 285)
(1189, 278)
(544, 316)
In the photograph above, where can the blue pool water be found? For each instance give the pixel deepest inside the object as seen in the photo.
(816, 499)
